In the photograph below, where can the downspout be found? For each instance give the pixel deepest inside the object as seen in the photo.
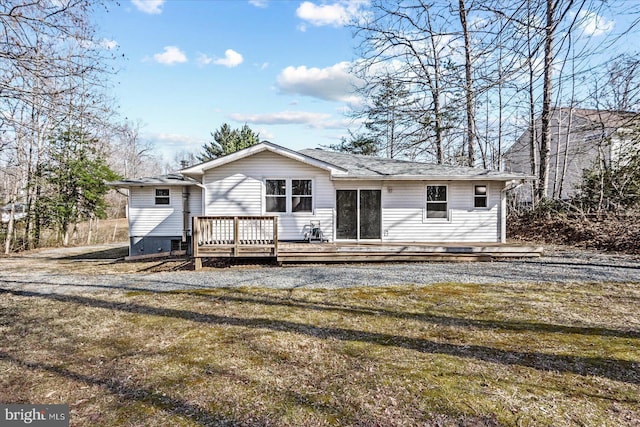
(503, 207)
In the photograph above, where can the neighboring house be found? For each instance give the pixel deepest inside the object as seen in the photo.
(579, 139)
(18, 212)
(352, 198)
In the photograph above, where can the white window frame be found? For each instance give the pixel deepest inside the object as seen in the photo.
(425, 201)
(265, 195)
(156, 197)
(289, 195)
(475, 196)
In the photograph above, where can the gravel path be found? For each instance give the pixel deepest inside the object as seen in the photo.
(44, 272)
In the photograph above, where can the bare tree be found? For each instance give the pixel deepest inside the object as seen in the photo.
(51, 73)
(468, 86)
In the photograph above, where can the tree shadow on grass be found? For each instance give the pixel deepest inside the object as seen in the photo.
(103, 254)
(272, 300)
(147, 396)
(423, 317)
(614, 369)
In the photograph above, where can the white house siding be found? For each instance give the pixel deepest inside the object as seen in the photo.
(148, 219)
(195, 203)
(237, 189)
(404, 218)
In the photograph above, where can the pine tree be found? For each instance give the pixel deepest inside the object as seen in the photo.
(75, 180)
(227, 141)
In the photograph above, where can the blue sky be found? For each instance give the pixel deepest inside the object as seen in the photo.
(280, 66)
(190, 65)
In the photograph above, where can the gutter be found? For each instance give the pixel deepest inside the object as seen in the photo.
(185, 213)
(430, 178)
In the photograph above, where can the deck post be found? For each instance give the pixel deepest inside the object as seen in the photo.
(275, 236)
(236, 232)
(195, 236)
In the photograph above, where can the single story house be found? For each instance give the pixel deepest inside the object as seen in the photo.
(349, 198)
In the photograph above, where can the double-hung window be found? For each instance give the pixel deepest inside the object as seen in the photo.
(301, 195)
(276, 195)
(437, 201)
(162, 196)
(288, 195)
(480, 196)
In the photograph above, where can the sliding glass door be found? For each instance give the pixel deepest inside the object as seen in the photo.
(358, 214)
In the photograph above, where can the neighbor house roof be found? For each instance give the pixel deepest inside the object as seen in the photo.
(610, 118)
(376, 168)
(173, 179)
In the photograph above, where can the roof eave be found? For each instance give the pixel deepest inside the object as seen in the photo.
(199, 170)
(128, 184)
(430, 178)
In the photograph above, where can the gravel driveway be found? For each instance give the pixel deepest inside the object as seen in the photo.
(50, 272)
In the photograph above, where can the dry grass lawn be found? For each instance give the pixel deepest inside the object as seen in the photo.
(449, 354)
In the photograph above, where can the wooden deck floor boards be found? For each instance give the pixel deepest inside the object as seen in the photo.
(374, 252)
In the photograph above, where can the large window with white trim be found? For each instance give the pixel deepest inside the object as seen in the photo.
(437, 202)
(288, 195)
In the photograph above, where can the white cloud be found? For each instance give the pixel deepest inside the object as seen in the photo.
(108, 44)
(231, 59)
(259, 3)
(152, 7)
(307, 118)
(265, 134)
(333, 83)
(281, 118)
(337, 14)
(171, 55)
(593, 24)
(175, 139)
(203, 59)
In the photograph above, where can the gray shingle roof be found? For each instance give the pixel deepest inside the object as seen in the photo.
(173, 179)
(369, 167)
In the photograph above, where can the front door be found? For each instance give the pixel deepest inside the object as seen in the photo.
(358, 214)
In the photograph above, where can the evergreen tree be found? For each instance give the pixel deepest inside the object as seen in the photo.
(387, 118)
(227, 141)
(75, 180)
(357, 144)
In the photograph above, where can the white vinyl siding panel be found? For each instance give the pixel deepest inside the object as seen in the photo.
(403, 217)
(195, 203)
(237, 189)
(148, 219)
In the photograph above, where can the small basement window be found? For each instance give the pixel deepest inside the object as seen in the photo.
(162, 196)
(437, 201)
(480, 196)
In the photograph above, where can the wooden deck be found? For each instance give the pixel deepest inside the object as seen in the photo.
(257, 237)
(296, 252)
(380, 252)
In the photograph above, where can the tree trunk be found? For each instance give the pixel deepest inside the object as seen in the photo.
(10, 225)
(545, 118)
(469, 92)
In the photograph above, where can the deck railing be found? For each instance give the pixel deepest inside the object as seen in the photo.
(237, 232)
